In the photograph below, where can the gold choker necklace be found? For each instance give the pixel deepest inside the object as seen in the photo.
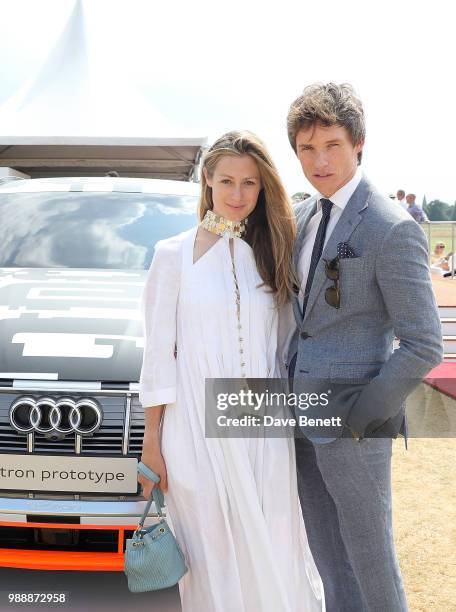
(223, 227)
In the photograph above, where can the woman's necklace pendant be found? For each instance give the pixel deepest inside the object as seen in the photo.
(223, 227)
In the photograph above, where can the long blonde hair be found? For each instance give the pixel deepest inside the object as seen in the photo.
(272, 228)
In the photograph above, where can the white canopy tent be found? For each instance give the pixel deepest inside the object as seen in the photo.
(79, 117)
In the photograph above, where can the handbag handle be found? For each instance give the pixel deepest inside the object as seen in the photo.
(156, 496)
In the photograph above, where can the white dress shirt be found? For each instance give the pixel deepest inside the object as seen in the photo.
(339, 200)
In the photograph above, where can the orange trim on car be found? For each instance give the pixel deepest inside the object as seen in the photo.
(61, 560)
(66, 560)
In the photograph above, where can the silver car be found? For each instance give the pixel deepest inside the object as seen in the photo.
(73, 258)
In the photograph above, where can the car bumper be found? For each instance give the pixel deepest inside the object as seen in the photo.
(63, 535)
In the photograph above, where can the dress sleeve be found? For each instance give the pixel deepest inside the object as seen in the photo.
(157, 383)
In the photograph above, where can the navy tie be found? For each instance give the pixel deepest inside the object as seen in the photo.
(326, 206)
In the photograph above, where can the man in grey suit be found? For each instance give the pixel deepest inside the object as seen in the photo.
(362, 265)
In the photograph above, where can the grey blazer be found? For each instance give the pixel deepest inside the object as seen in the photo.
(385, 291)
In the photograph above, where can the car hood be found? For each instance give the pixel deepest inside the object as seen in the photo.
(78, 324)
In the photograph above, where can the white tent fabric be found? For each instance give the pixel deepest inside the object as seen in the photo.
(78, 115)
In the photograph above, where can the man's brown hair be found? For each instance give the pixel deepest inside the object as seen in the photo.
(327, 104)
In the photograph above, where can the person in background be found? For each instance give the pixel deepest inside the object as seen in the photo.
(400, 196)
(438, 258)
(299, 197)
(415, 210)
(441, 262)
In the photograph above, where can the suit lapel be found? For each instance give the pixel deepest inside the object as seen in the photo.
(344, 228)
(307, 213)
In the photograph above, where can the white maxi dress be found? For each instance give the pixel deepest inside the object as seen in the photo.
(232, 502)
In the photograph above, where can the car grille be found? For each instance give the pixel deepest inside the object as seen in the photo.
(74, 540)
(112, 438)
(136, 426)
(109, 439)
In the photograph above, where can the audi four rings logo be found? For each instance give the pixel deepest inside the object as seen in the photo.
(63, 415)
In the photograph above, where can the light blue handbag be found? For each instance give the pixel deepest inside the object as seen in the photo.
(153, 559)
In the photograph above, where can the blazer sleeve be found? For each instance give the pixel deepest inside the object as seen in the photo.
(402, 272)
(157, 383)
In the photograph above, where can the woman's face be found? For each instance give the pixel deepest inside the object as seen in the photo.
(235, 186)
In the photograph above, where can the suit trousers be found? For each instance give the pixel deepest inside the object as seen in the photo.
(345, 492)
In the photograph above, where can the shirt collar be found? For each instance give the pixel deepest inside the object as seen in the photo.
(341, 197)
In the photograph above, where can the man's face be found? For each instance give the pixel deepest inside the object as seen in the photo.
(400, 195)
(410, 198)
(328, 157)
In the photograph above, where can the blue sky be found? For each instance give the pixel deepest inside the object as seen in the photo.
(212, 66)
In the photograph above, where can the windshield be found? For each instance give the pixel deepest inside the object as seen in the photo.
(88, 229)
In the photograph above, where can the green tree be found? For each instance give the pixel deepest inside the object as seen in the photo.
(439, 211)
(453, 216)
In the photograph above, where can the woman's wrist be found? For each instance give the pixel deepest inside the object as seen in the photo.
(152, 437)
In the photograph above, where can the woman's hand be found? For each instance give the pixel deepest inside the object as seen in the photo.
(152, 457)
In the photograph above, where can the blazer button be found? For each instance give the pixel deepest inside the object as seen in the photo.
(304, 335)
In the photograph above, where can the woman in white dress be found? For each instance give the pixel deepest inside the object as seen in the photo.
(210, 307)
